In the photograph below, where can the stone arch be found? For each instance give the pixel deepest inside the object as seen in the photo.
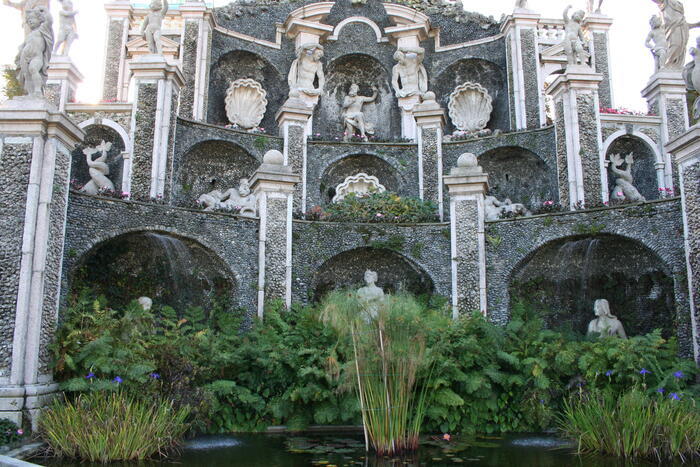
(564, 276)
(238, 64)
(366, 71)
(96, 131)
(481, 71)
(159, 262)
(395, 272)
(211, 165)
(520, 175)
(352, 164)
(649, 166)
(110, 124)
(358, 19)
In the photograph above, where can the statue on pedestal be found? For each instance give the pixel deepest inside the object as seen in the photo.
(98, 169)
(24, 6)
(591, 7)
(691, 74)
(656, 41)
(35, 53)
(408, 77)
(624, 184)
(240, 200)
(574, 38)
(353, 117)
(677, 32)
(370, 295)
(305, 69)
(521, 4)
(67, 29)
(605, 324)
(152, 25)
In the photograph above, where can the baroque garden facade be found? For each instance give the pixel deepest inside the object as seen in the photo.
(310, 101)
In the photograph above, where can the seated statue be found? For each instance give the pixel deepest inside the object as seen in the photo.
(606, 325)
(353, 116)
(370, 295)
(241, 200)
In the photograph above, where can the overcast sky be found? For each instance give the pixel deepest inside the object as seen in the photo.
(631, 62)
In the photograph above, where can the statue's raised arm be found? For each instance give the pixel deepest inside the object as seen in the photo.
(166, 7)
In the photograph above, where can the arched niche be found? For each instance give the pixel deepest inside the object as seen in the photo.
(211, 165)
(395, 272)
(240, 64)
(475, 70)
(170, 269)
(643, 169)
(520, 175)
(336, 174)
(564, 277)
(94, 135)
(365, 71)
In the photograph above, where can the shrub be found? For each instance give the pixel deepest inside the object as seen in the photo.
(378, 207)
(111, 426)
(10, 433)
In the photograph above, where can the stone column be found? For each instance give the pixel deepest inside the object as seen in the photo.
(430, 122)
(580, 162)
(666, 97)
(292, 121)
(686, 151)
(524, 74)
(599, 27)
(467, 185)
(119, 13)
(273, 185)
(63, 80)
(196, 53)
(35, 146)
(157, 84)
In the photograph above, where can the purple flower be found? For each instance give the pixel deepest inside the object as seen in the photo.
(679, 375)
(609, 373)
(661, 390)
(90, 375)
(118, 379)
(645, 372)
(154, 375)
(674, 396)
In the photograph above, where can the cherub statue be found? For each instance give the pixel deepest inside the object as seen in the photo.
(624, 188)
(591, 6)
(24, 6)
(353, 117)
(241, 200)
(605, 324)
(656, 41)
(67, 29)
(152, 25)
(691, 74)
(408, 77)
(98, 169)
(305, 69)
(35, 53)
(677, 32)
(574, 38)
(370, 295)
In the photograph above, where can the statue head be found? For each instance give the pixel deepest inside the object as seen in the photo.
(314, 51)
(578, 16)
(601, 308)
(399, 56)
(35, 18)
(244, 187)
(156, 5)
(370, 277)
(655, 22)
(354, 89)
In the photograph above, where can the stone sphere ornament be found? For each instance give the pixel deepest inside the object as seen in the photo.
(467, 160)
(273, 157)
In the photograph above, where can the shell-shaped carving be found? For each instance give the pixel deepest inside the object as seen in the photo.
(360, 184)
(246, 103)
(470, 107)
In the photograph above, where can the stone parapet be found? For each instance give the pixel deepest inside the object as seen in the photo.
(64, 79)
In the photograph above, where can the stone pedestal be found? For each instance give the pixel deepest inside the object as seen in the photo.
(63, 81)
(35, 161)
(527, 102)
(196, 53)
(430, 122)
(666, 97)
(293, 120)
(467, 185)
(273, 184)
(157, 85)
(599, 27)
(580, 161)
(686, 152)
(119, 13)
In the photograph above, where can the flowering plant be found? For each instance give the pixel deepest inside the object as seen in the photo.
(624, 111)
(10, 433)
(376, 207)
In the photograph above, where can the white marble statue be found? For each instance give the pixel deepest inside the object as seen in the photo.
(35, 52)
(605, 324)
(624, 184)
(240, 199)
(146, 303)
(494, 208)
(574, 38)
(677, 32)
(691, 74)
(305, 69)
(656, 41)
(370, 295)
(522, 4)
(408, 77)
(353, 117)
(152, 25)
(592, 8)
(67, 29)
(98, 168)
(24, 6)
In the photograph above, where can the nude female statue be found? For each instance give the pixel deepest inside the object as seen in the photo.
(152, 25)
(353, 117)
(370, 295)
(606, 325)
(35, 53)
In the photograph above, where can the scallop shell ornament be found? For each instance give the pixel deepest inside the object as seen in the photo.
(470, 107)
(246, 103)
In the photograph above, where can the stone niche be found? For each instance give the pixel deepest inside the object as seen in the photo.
(94, 135)
(643, 169)
(562, 279)
(171, 270)
(395, 272)
(352, 165)
(211, 165)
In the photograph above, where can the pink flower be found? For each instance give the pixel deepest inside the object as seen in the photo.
(548, 203)
(619, 193)
(379, 214)
(20, 432)
(446, 437)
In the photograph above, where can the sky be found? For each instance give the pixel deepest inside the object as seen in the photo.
(632, 63)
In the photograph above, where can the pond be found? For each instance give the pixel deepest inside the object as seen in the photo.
(257, 450)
